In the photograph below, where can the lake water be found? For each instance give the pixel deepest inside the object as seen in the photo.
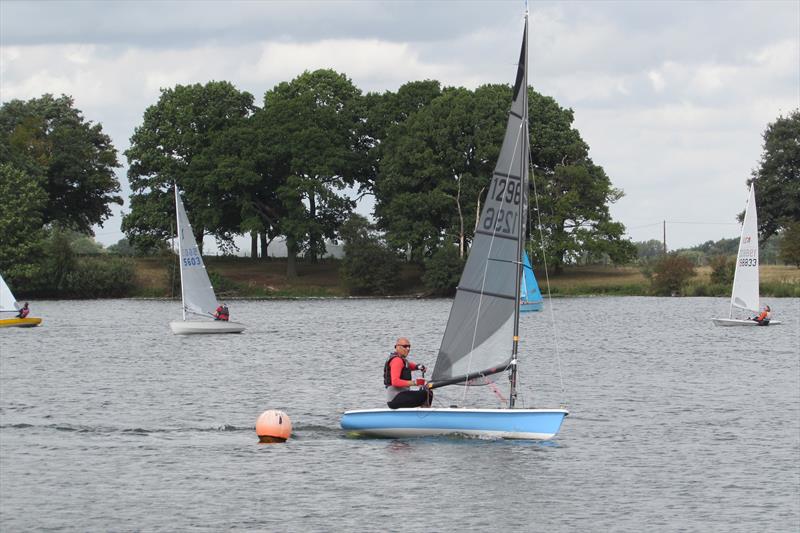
(108, 422)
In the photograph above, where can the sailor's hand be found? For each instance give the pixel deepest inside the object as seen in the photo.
(421, 368)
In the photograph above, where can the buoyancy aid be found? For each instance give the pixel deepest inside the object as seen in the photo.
(23, 312)
(222, 313)
(387, 371)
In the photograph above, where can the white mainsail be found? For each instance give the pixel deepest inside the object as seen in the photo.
(196, 290)
(745, 278)
(7, 301)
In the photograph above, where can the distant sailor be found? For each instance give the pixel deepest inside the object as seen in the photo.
(397, 379)
(23, 312)
(222, 313)
(764, 317)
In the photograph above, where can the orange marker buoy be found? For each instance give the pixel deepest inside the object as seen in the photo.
(273, 426)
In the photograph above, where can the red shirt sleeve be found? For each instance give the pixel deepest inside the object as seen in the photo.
(395, 368)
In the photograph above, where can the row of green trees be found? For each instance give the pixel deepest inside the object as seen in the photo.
(425, 153)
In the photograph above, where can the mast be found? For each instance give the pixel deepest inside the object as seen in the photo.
(180, 250)
(512, 397)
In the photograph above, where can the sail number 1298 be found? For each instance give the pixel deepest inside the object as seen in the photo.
(503, 220)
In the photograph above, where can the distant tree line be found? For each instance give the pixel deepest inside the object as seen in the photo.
(284, 168)
(425, 153)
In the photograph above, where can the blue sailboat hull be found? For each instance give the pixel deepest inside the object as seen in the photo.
(533, 306)
(531, 424)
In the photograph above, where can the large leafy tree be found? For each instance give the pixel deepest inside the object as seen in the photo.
(23, 199)
(385, 110)
(777, 178)
(200, 137)
(573, 193)
(790, 244)
(435, 164)
(311, 134)
(71, 158)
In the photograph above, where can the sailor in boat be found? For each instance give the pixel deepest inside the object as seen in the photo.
(222, 313)
(764, 316)
(397, 379)
(23, 312)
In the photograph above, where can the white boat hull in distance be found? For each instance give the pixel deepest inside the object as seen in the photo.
(192, 327)
(738, 322)
(529, 424)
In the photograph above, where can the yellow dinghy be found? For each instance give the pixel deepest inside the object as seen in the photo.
(30, 322)
(9, 304)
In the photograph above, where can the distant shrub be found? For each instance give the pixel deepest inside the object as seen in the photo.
(790, 245)
(221, 284)
(722, 269)
(670, 274)
(98, 277)
(443, 271)
(707, 289)
(369, 266)
(780, 289)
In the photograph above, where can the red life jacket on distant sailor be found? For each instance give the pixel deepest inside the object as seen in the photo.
(222, 313)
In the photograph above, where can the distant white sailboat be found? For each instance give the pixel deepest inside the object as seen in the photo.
(9, 304)
(745, 293)
(197, 294)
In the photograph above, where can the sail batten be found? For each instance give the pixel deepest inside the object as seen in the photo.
(478, 339)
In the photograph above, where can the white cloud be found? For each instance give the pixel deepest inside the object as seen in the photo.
(657, 80)
(375, 64)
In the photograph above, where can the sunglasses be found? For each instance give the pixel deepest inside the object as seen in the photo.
(405, 345)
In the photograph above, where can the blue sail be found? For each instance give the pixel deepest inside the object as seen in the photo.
(530, 295)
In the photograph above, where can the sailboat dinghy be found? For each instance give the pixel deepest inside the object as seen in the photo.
(197, 292)
(480, 342)
(745, 293)
(531, 295)
(9, 304)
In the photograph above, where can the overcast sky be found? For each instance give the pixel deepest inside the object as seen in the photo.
(672, 97)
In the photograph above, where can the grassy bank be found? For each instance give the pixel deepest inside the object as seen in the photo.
(254, 278)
